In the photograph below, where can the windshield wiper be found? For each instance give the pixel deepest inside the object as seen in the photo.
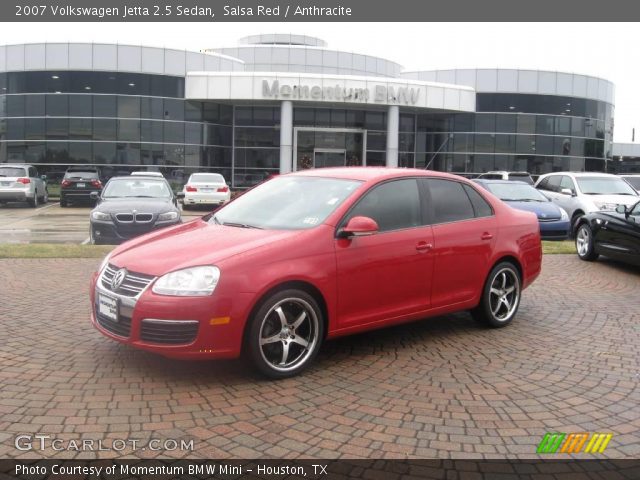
(239, 225)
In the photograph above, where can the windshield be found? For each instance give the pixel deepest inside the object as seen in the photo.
(12, 172)
(634, 181)
(287, 203)
(604, 186)
(137, 187)
(516, 192)
(206, 178)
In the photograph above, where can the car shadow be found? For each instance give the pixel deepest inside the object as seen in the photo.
(620, 265)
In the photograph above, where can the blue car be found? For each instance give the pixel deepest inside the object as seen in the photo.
(554, 221)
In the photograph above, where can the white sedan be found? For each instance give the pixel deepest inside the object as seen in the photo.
(206, 189)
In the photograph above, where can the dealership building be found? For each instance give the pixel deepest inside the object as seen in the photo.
(280, 103)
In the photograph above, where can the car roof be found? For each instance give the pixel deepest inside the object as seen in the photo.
(366, 174)
(14, 165)
(138, 177)
(146, 174)
(503, 182)
(580, 174)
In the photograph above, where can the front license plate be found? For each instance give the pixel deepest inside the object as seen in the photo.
(108, 307)
(80, 185)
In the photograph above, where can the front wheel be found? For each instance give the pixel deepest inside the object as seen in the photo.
(500, 296)
(285, 334)
(584, 243)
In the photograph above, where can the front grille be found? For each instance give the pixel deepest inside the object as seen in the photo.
(553, 233)
(124, 217)
(122, 327)
(548, 219)
(132, 285)
(143, 217)
(169, 332)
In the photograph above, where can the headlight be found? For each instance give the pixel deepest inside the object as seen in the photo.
(104, 262)
(563, 215)
(605, 206)
(190, 282)
(166, 217)
(104, 217)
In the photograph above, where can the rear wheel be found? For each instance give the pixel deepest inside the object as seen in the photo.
(33, 203)
(584, 243)
(285, 334)
(45, 196)
(500, 296)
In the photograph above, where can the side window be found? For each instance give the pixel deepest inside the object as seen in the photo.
(480, 206)
(32, 172)
(567, 182)
(393, 205)
(449, 200)
(554, 183)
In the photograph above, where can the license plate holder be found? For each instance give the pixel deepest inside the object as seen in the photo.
(81, 185)
(108, 307)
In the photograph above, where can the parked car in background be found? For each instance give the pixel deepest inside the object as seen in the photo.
(633, 180)
(554, 221)
(78, 184)
(504, 175)
(611, 234)
(131, 206)
(21, 183)
(147, 174)
(205, 189)
(314, 255)
(579, 193)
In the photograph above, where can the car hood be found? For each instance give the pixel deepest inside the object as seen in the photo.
(192, 244)
(141, 205)
(617, 199)
(541, 209)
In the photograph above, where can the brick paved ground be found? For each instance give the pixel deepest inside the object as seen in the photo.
(443, 388)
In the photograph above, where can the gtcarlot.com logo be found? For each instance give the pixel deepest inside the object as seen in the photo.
(30, 442)
(574, 443)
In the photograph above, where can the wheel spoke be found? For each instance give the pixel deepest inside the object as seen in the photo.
(504, 280)
(510, 289)
(300, 341)
(495, 291)
(282, 316)
(266, 341)
(285, 354)
(299, 320)
(497, 308)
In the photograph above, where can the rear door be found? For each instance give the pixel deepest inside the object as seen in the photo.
(464, 233)
(387, 274)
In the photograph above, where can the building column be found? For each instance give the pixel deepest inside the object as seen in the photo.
(286, 136)
(393, 124)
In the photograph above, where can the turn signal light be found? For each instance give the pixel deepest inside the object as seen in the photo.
(191, 189)
(24, 181)
(223, 189)
(96, 183)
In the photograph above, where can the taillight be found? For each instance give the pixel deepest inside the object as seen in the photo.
(24, 181)
(96, 183)
(191, 189)
(65, 183)
(223, 189)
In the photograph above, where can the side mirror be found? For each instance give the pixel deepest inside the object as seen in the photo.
(358, 227)
(94, 195)
(180, 195)
(567, 191)
(622, 209)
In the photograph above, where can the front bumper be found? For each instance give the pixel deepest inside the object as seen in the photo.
(175, 327)
(555, 230)
(110, 233)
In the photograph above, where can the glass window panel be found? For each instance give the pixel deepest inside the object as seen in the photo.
(563, 126)
(34, 129)
(405, 160)
(577, 126)
(35, 105)
(104, 152)
(544, 125)
(218, 135)
(226, 114)
(173, 132)
(506, 123)
(15, 129)
(57, 105)
(57, 128)
(174, 154)
(406, 142)
(173, 110)
(35, 153)
(104, 105)
(376, 141)
(83, 82)
(193, 111)
(104, 129)
(128, 107)
(57, 152)
(407, 123)
(15, 105)
(562, 146)
(526, 124)
(485, 122)
(129, 130)
(544, 145)
(128, 153)
(323, 117)
(151, 107)
(16, 83)
(257, 137)
(526, 144)
(376, 120)
(376, 159)
(484, 143)
(463, 123)
(80, 152)
(216, 156)
(338, 118)
(263, 116)
(505, 143)
(80, 129)
(462, 142)
(303, 117)
(481, 163)
(58, 82)
(193, 133)
(80, 105)
(355, 119)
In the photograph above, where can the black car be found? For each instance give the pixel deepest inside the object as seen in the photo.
(611, 234)
(131, 206)
(78, 184)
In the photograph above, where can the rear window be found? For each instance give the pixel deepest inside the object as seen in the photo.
(522, 177)
(634, 181)
(81, 175)
(12, 172)
(206, 178)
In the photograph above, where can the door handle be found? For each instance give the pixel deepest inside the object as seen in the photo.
(424, 246)
(486, 236)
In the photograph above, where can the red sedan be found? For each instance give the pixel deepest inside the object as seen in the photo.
(314, 255)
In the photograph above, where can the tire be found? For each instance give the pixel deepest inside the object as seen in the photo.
(500, 296)
(584, 243)
(63, 202)
(574, 219)
(33, 203)
(45, 197)
(293, 326)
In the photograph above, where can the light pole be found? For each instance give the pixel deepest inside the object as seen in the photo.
(446, 140)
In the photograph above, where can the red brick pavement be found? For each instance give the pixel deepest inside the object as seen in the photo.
(441, 388)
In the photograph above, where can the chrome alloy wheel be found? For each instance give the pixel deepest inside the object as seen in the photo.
(288, 334)
(583, 239)
(504, 295)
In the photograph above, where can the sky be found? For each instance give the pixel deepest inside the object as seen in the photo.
(601, 49)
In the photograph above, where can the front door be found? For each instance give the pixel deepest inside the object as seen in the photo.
(328, 157)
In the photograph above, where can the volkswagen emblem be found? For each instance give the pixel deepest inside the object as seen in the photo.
(118, 278)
